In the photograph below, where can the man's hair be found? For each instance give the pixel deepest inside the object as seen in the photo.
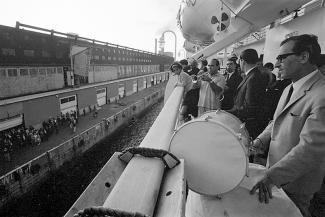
(250, 56)
(234, 57)
(307, 43)
(321, 60)
(232, 60)
(217, 61)
(183, 62)
(204, 62)
(269, 65)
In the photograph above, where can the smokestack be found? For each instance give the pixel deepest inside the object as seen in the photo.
(155, 46)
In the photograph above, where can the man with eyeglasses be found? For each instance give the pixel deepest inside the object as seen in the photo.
(249, 95)
(180, 78)
(296, 136)
(183, 79)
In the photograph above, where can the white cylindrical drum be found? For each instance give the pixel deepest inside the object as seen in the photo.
(214, 149)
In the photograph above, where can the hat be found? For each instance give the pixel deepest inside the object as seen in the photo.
(183, 62)
(175, 64)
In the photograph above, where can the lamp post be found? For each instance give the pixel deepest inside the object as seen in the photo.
(162, 41)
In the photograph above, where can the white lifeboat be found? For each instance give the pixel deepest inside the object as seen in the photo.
(220, 23)
(199, 20)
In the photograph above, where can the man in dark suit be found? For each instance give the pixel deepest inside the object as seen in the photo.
(272, 96)
(191, 98)
(248, 102)
(233, 79)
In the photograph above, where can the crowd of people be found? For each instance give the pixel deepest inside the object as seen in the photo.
(285, 116)
(206, 88)
(20, 137)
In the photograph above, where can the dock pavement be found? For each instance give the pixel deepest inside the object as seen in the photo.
(24, 155)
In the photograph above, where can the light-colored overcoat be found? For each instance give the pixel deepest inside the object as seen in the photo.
(296, 159)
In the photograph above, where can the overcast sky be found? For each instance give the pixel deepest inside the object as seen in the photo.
(132, 23)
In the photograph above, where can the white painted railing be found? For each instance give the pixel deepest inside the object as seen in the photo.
(138, 187)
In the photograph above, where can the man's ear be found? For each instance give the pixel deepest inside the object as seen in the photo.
(304, 57)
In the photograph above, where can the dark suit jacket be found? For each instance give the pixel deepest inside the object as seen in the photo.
(272, 97)
(229, 94)
(193, 71)
(248, 102)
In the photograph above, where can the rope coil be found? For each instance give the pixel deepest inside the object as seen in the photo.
(168, 158)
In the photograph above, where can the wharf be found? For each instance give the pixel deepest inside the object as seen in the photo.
(24, 155)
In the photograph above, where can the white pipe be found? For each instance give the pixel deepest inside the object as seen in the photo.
(138, 187)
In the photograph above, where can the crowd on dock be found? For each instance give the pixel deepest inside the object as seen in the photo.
(21, 137)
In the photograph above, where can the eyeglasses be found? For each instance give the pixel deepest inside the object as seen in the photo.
(281, 57)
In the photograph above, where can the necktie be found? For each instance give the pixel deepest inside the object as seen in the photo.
(289, 95)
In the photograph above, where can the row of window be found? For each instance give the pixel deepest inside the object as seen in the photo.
(30, 53)
(8, 36)
(33, 72)
(138, 68)
(101, 91)
(127, 68)
(59, 54)
(97, 57)
(124, 52)
(158, 79)
(67, 99)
